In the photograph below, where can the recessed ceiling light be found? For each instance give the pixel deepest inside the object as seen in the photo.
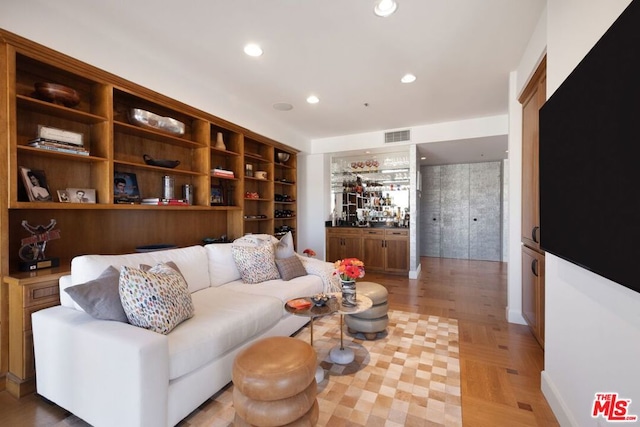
(253, 50)
(423, 158)
(282, 106)
(313, 99)
(408, 78)
(384, 8)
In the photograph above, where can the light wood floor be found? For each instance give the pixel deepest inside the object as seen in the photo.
(500, 362)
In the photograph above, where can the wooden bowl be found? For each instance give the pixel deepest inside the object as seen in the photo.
(162, 163)
(58, 94)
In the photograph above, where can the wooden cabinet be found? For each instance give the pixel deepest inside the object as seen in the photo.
(373, 249)
(28, 293)
(343, 243)
(533, 291)
(382, 250)
(397, 251)
(115, 143)
(532, 99)
(386, 250)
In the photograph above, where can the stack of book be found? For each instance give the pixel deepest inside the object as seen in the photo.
(222, 173)
(59, 146)
(157, 201)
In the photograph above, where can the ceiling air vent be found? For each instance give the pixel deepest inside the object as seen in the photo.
(397, 136)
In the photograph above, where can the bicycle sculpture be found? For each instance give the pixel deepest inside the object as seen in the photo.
(33, 247)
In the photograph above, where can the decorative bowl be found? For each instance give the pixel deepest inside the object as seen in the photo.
(319, 299)
(283, 157)
(162, 163)
(58, 94)
(150, 120)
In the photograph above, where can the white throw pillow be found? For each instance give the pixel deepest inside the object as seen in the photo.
(284, 247)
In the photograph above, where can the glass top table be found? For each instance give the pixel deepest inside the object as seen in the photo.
(338, 354)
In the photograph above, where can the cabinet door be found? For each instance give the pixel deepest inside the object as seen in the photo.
(454, 208)
(334, 248)
(485, 238)
(533, 291)
(532, 100)
(397, 251)
(373, 250)
(430, 219)
(352, 247)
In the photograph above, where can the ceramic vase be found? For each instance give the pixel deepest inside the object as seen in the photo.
(348, 288)
(220, 142)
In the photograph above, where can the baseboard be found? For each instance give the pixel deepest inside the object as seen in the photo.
(514, 316)
(414, 274)
(559, 408)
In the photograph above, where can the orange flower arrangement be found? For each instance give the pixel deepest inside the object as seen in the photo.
(349, 269)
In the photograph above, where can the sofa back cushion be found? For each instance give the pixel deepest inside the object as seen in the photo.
(192, 262)
(221, 264)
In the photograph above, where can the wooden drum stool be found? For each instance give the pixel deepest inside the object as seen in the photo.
(274, 384)
(374, 320)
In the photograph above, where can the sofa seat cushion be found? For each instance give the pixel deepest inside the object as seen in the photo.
(222, 321)
(283, 290)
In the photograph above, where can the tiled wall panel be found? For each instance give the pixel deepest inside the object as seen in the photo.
(462, 211)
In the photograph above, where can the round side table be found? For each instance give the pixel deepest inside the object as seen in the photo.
(312, 312)
(341, 354)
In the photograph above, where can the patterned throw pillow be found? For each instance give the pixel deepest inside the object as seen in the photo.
(157, 299)
(290, 268)
(255, 264)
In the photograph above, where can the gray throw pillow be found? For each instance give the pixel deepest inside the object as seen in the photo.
(290, 268)
(284, 247)
(100, 298)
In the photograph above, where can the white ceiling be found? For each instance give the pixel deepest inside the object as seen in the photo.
(460, 50)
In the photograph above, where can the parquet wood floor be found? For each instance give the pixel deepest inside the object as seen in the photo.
(500, 362)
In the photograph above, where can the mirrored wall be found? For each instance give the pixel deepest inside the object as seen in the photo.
(371, 190)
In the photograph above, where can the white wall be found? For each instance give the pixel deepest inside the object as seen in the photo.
(592, 341)
(314, 201)
(107, 49)
(514, 262)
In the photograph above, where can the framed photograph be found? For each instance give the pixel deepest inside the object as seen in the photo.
(63, 196)
(81, 195)
(35, 184)
(125, 188)
(217, 195)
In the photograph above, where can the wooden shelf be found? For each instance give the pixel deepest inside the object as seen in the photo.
(116, 145)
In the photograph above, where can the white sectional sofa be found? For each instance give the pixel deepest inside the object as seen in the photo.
(111, 373)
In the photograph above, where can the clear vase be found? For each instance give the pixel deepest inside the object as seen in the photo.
(348, 288)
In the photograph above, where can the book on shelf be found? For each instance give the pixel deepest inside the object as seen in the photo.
(61, 147)
(223, 173)
(157, 201)
(61, 135)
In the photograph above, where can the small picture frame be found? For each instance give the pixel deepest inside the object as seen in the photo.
(63, 196)
(35, 184)
(81, 195)
(217, 195)
(125, 188)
